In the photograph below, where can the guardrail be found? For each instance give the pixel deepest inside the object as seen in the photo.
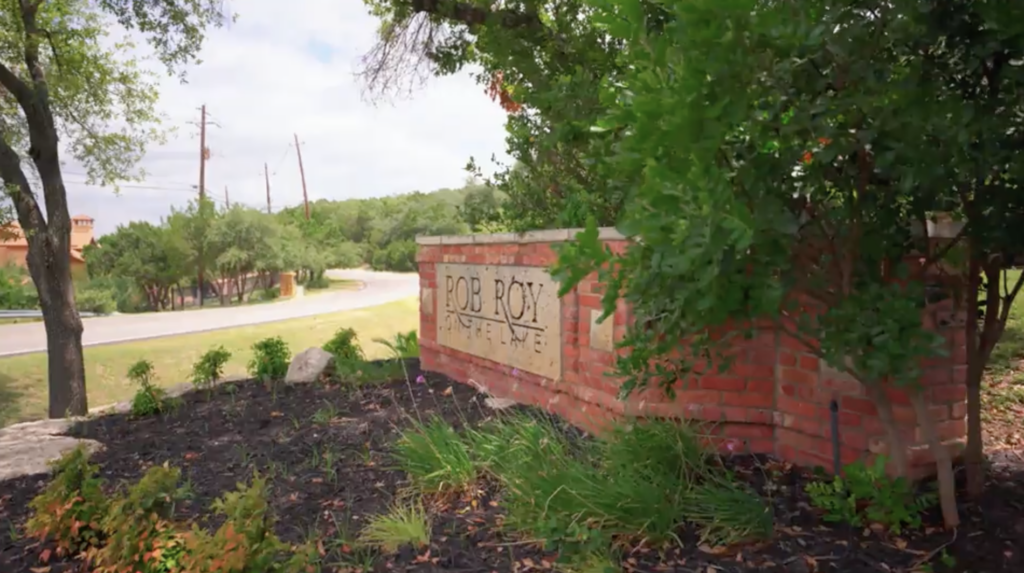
(36, 314)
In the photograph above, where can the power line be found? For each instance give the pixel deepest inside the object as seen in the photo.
(160, 181)
(281, 161)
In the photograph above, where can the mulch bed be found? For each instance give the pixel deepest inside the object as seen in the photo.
(219, 442)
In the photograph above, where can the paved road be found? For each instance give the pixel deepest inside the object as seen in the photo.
(379, 288)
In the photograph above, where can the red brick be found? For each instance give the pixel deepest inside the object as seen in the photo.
(800, 408)
(748, 399)
(761, 386)
(726, 383)
(798, 376)
(861, 406)
(810, 363)
(753, 370)
(763, 357)
(948, 393)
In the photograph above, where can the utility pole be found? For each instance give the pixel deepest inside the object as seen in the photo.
(266, 177)
(203, 153)
(302, 173)
(227, 199)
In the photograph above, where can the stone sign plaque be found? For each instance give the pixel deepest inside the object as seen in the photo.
(510, 315)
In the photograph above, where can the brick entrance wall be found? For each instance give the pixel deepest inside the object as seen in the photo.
(774, 399)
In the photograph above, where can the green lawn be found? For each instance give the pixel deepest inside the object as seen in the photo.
(23, 388)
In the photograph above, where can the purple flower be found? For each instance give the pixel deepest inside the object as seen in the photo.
(421, 380)
(515, 372)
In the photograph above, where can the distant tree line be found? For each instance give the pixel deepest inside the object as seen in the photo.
(144, 266)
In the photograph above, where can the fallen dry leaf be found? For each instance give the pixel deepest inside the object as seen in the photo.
(712, 550)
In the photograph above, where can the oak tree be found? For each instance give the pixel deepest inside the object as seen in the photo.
(67, 87)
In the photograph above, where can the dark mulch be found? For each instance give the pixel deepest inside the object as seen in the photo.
(219, 442)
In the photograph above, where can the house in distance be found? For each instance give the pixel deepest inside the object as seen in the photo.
(14, 246)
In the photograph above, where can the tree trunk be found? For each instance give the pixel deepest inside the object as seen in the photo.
(65, 361)
(974, 454)
(222, 291)
(943, 463)
(242, 284)
(897, 449)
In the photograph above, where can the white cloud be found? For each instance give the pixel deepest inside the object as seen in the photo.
(268, 76)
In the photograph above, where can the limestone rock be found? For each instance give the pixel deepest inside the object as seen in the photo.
(26, 448)
(499, 403)
(309, 365)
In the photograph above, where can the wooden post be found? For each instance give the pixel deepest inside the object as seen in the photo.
(266, 177)
(202, 191)
(302, 174)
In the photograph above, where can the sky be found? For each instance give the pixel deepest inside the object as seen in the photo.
(287, 68)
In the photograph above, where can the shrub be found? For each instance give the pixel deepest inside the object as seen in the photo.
(318, 282)
(435, 457)
(141, 536)
(209, 369)
(95, 299)
(16, 290)
(359, 372)
(402, 345)
(270, 359)
(69, 511)
(869, 495)
(644, 480)
(128, 297)
(406, 524)
(148, 399)
(344, 345)
(271, 293)
(245, 542)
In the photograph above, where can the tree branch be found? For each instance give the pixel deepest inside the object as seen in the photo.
(25, 204)
(43, 134)
(472, 15)
(18, 88)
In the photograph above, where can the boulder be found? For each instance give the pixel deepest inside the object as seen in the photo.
(309, 366)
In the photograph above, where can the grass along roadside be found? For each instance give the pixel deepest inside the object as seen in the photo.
(23, 386)
(335, 285)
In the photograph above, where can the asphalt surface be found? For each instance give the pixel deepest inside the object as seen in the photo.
(378, 288)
